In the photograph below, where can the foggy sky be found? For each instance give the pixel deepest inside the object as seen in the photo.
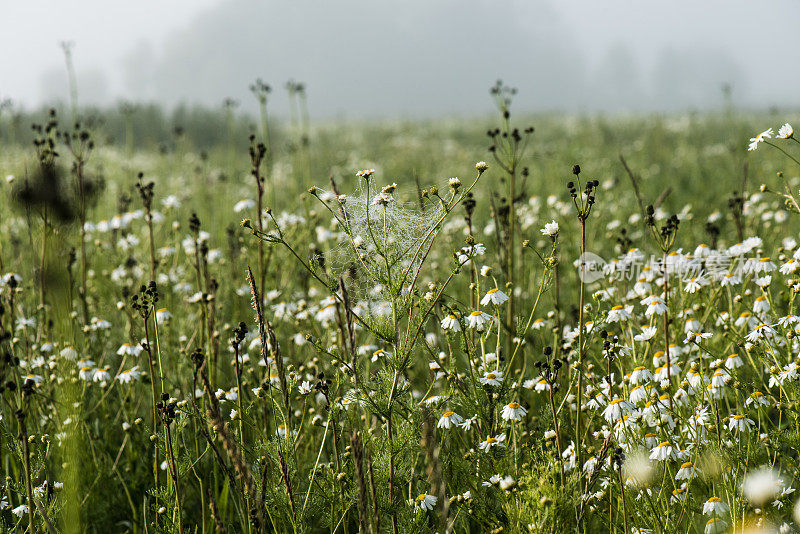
(406, 58)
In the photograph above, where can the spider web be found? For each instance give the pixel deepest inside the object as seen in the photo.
(399, 230)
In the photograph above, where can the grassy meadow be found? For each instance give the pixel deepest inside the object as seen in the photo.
(217, 323)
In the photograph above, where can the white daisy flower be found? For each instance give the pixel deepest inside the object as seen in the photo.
(490, 442)
(663, 451)
(618, 314)
(715, 525)
(754, 141)
(714, 506)
(513, 411)
(733, 361)
(130, 350)
(449, 419)
(20, 510)
(477, 320)
(641, 375)
(785, 132)
(686, 472)
(130, 375)
(491, 378)
(647, 333)
(757, 398)
(423, 502)
(740, 423)
(616, 409)
(495, 296)
(163, 315)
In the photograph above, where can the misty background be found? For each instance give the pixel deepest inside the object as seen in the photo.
(410, 58)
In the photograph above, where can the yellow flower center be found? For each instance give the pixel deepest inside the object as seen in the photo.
(476, 313)
(491, 376)
(714, 499)
(664, 444)
(617, 308)
(687, 465)
(513, 405)
(420, 497)
(447, 414)
(491, 440)
(492, 291)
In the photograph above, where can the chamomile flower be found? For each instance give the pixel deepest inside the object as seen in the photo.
(655, 305)
(616, 409)
(715, 506)
(678, 495)
(513, 411)
(686, 472)
(494, 296)
(694, 284)
(129, 350)
(733, 361)
(754, 141)
(740, 423)
(163, 315)
(589, 465)
(451, 322)
(761, 304)
(478, 320)
(757, 398)
(647, 333)
(715, 525)
(663, 451)
(759, 332)
(130, 375)
(491, 378)
(619, 314)
(489, 442)
(785, 132)
(641, 375)
(20, 510)
(449, 419)
(101, 374)
(86, 372)
(423, 502)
